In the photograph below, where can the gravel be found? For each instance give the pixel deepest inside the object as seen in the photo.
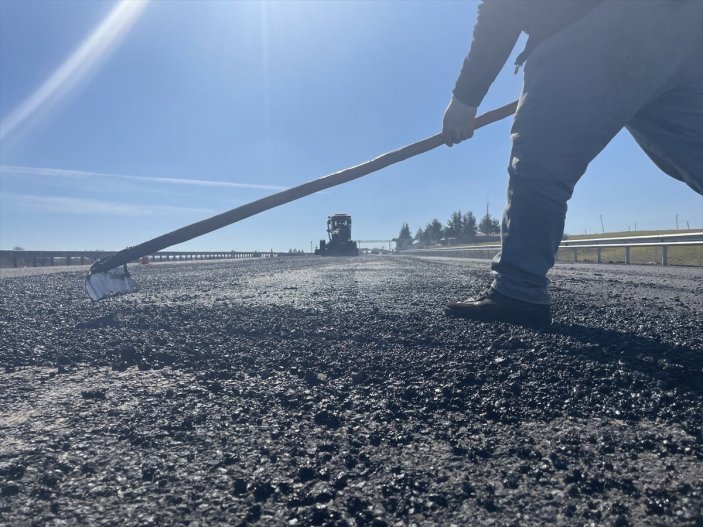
(313, 391)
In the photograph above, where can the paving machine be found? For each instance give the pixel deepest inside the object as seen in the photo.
(340, 242)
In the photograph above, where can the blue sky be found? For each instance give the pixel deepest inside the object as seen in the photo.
(116, 132)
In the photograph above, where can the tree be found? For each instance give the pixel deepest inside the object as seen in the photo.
(461, 226)
(489, 225)
(405, 232)
(422, 237)
(434, 231)
(468, 228)
(404, 239)
(455, 226)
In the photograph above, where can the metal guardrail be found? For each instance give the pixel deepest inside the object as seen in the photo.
(664, 241)
(51, 258)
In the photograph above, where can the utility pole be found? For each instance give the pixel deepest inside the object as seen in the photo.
(601, 224)
(311, 251)
(677, 222)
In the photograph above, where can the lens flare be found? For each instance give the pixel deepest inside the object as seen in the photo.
(76, 67)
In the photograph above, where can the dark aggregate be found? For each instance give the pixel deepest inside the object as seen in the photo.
(311, 391)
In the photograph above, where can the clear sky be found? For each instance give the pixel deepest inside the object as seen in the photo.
(120, 122)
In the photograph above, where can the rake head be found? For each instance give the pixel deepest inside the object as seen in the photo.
(113, 282)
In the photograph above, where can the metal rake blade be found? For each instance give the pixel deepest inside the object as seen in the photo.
(112, 282)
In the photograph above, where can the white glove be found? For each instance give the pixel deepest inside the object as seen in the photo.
(458, 122)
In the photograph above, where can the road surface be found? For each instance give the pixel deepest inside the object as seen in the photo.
(312, 391)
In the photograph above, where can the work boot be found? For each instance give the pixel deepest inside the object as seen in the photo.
(494, 306)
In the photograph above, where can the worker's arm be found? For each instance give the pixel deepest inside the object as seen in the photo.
(497, 28)
(495, 33)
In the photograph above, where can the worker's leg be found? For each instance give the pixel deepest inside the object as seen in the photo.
(670, 131)
(670, 127)
(581, 87)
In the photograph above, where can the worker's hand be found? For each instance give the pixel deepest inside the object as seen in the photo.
(458, 122)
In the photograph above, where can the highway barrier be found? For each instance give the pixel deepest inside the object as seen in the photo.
(600, 250)
(51, 258)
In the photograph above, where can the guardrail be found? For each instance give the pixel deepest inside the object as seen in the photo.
(663, 241)
(50, 258)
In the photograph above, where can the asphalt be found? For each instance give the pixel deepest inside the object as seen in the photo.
(313, 391)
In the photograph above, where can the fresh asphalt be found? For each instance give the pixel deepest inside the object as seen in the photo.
(314, 391)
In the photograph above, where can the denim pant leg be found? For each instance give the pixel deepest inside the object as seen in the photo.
(670, 131)
(669, 128)
(581, 87)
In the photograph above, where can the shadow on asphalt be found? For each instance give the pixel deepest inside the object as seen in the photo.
(674, 366)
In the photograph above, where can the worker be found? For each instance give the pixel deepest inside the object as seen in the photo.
(591, 67)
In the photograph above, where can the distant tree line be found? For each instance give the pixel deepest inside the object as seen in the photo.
(459, 228)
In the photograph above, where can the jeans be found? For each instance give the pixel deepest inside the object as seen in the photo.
(637, 65)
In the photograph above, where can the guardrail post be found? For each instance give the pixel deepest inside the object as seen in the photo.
(51, 261)
(627, 255)
(665, 255)
(600, 255)
(576, 254)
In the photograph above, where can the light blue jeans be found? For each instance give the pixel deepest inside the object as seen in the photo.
(632, 64)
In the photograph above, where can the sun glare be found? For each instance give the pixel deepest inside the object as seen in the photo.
(76, 67)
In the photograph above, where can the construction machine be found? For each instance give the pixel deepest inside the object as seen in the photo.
(339, 233)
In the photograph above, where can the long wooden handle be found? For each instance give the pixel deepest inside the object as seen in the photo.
(337, 178)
